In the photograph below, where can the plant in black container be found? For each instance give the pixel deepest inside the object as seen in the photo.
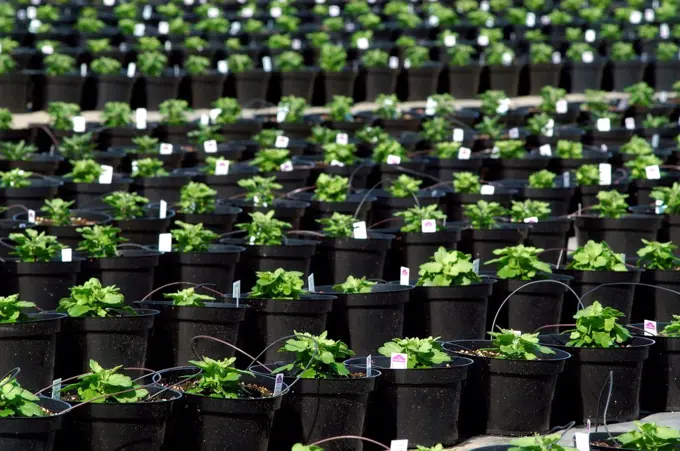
(198, 203)
(114, 85)
(642, 172)
(464, 70)
(627, 67)
(139, 222)
(233, 125)
(13, 83)
(330, 398)
(260, 196)
(547, 231)
(251, 82)
(666, 65)
(544, 69)
(586, 67)
(503, 68)
(119, 126)
(120, 413)
(296, 78)
(85, 184)
(599, 345)
(338, 75)
(174, 124)
(511, 160)
(277, 162)
(380, 77)
(668, 203)
(291, 117)
(206, 83)
(423, 73)
(161, 82)
(661, 270)
(63, 83)
(20, 155)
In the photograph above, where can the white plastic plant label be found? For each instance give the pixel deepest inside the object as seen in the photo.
(31, 12)
(629, 123)
(664, 31)
(475, 265)
(267, 63)
(337, 163)
(582, 441)
(210, 146)
(587, 57)
(561, 106)
(222, 67)
(458, 135)
(635, 17)
(67, 254)
(433, 21)
(236, 291)
(131, 69)
(545, 150)
(281, 142)
(605, 170)
(34, 26)
(650, 328)
(278, 384)
(109, 2)
(393, 159)
(56, 389)
(428, 226)
(449, 40)
(655, 140)
(653, 172)
(483, 40)
(247, 12)
(464, 153)
(399, 445)
(166, 149)
(78, 124)
(556, 57)
(310, 283)
(275, 12)
(296, 44)
(506, 58)
(359, 230)
(649, 15)
(531, 220)
(484, 5)
(398, 361)
(603, 124)
(165, 242)
(286, 166)
(106, 176)
(342, 138)
(590, 35)
(47, 49)
(139, 30)
(530, 20)
(31, 215)
(214, 114)
(362, 43)
(393, 62)
(566, 179)
(140, 118)
(487, 190)
(513, 133)
(404, 273)
(334, 10)
(222, 167)
(213, 12)
(146, 12)
(503, 106)
(369, 365)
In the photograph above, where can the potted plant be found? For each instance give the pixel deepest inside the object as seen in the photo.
(198, 204)
(206, 83)
(260, 196)
(62, 82)
(114, 85)
(642, 180)
(429, 369)
(464, 71)
(380, 77)
(151, 180)
(422, 72)
(161, 82)
(311, 410)
(590, 183)
(511, 160)
(174, 125)
(145, 146)
(139, 222)
(291, 117)
(586, 67)
(467, 190)
(277, 162)
(449, 298)
(296, 78)
(621, 230)
(644, 436)
(35, 271)
(595, 264)
(665, 199)
(660, 266)
(85, 186)
(665, 65)
(503, 68)
(84, 147)
(547, 231)
(524, 368)
(338, 75)
(24, 156)
(251, 82)
(116, 402)
(120, 128)
(232, 125)
(13, 83)
(599, 345)
(571, 155)
(544, 67)
(341, 254)
(627, 66)
(107, 260)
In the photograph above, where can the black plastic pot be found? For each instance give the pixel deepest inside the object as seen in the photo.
(339, 83)
(120, 426)
(587, 375)
(380, 80)
(214, 267)
(14, 91)
(268, 320)
(452, 313)
(516, 168)
(444, 169)
(413, 249)
(619, 297)
(531, 307)
(41, 163)
(119, 136)
(160, 89)
(464, 80)
(217, 424)
(399, 393)
(132, 271)
(63, 88)
(365, 321)
(220, 221)
(505, 78)
(665, 74)
(175, 326)
(508, 397)
(551, 233)
(33, 433)
(422, 81)
(111, 341)
(114, 88)
(145, 230)
(206, 88)
(44, 283)
(165, 188)
(320, 408)
(390, 172)
(31, 346)
(481, 243)
(558, 198)
(586, 75)
(624, 234)
(658, 303)
(89, 195)
(543, 74)
(589, 192)
(299, 83)
(31, 197)
(338, 258)
(251, 86)
(626, 73)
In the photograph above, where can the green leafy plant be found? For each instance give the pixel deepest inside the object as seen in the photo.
(622, 51)
(340, 108)
(17, 151)
(388, 107)
(510, 345)
(640, 94)
(152, 64)
(373, 135)
(230, 110)
(658, 256)
(466, 183)
(539, 443)
(11, 312)
(542, 179)
(106, 66)
(437, 130)
(197, 65)
(57, 64)
(569, 149)
(638, 166)
(611, 32)
(148, 167)
(460, 55)
(316, 357)
(188, 298)
(192, 237)
(270, 160)
(78, 147)
(549, 98)
(404, 186)
(57, 211)
(338, 225)
(34, 246)
(205, 133)
(6, 119)
(597, 327)
(145, 145)
(331, 188)
(354, 285)
(100, 382)
(417, 56)
(651, 121)
(519, 262)
(174, 111)
(239, 63)
(576, 50)
(195, 43)
(612, 204)
(126, 206)
(91, 299)
(197, 198)
(667, 51)
(323, 135)
(588, 175)
(294, 108)
(100, 241)
(116, 114)
(447, 268)
(333, 58)
(260, 190)
(289, 61)
(264, 229)
(650, 437)
(15, 178)
(511, 149)
(498, 53)
(420, 352)
(669, 197)
(15, 401)
(541, 53)
(540, 124)
(375, 58)
(220, 379)
(672, 329)
(414, 217)
(85, 171)
(387, 147)
(279, 284)
(529, 209)
(595, 256)
(483, 214)
(61, 115)
(447, 150)
(7, 64)
(342, 153)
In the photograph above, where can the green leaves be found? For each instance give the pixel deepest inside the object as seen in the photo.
(513, 345)
(148, 167)
(11, 309)
(404, 186)
(219, 379)
(146, 145)
(326, 357)
(279, 284)
(61, 114)
(612, 204)
(650, 437)
(511, 149)
(596, 257)
(658, 256)
(340, 108)
(116, 114)
(85, 171)
(466, 183)
(197, 198)
(270, 160)
(448, 151)
(637, 146)
(519, 262)
(101, 382)
(483, 214)
(15, 178)
(447, 268)
(34, 246)
(669, 197)
(260, 190)
(354, 285)
(174, 111)
(588, 175)
(230, 110)
(294, 107)
(331, 188)
(91, 299)
(126, 205)
(100, 241)
(338, 225)
(301, 447)
(539, 443)
(640, 94)
(437, 130)
(529, 209)
(264, 229)
(421, 352)
(192, 237)
(414, 217)
(342, 153)
(188, 298)
(17, 151)
(388, 107)
(597, 327)
(15, 401)
(569, 149)
(672, 329)
(385, 147)
(543, 179)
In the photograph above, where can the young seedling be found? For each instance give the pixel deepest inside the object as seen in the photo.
(326, 357)
(230, 111)
(197, 198)
(414, 217)
(612, 204)
(539, 443)
(260, 190)
(33, 246)
(519, 263)
(340, 108)
(483, 214)
(192, 237)
(148, 167)
(638, 166)
(669, 197)
(104, 386)
(61, 115)
(100, 241)
(466, 183)
(508, 345)
(437, 130)
(331, 188)
(221, 379)
(355, 285)
(91, 299)
(85, 171)
(12, 311)
(597, 327)
(78, 147)
(338, 225)
(404, 186)
(658, 256)
(57, 211)
(595, 256)
(340, 153)
(270, 160)
(447, 268)
(174, 111)
(188, 298)
(511, 149)
(650, 437)
(264, 229)
(116, 114)
(569, 149)
(421, 353)
(542, 179)
(526, 209)
(17, 151)
(17, 402)
(145, 145)
(126, 206)
(279, 284)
